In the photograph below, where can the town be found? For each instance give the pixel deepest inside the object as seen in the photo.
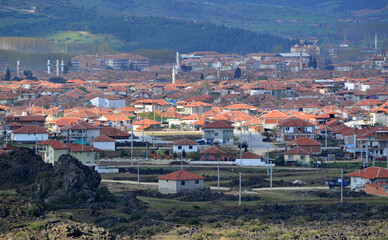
(261, 115)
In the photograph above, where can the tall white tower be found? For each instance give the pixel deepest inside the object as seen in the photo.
(48, 66)
(18, 68)
(218, 69)
(173, 74)
(57, 68)
(177, 62)
(62, 66)
(376, 41)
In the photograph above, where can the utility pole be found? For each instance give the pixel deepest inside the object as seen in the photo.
(342, 184)
(270, 166)
(239, 191)
(147, 151)
(182, 159)
(138, 170)
(326, 138)
(218, 175)
(132, 148)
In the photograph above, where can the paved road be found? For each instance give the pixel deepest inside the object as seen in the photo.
(222, 188)
(255, 141)
(290, 188)
(151, 184)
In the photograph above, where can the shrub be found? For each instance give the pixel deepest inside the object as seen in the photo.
(37, 226)
(236, 233)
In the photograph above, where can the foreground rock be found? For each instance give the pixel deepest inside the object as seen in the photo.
(68, 183)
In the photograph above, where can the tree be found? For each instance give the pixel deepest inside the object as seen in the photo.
(237, 73)
(202, 77)
(314, 63)
(7, 75)
(183, 153)
(310, 63)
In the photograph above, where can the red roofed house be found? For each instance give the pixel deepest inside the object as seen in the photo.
(297, 156)
(186, 145)
(179, 181)
(218, 131)
(307, 144)
(29, 133)
(104, 143)
(54, 149)
(293, 128)
(371, 175)
(271, 119)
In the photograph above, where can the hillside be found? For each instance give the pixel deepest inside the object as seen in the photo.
(284, 17)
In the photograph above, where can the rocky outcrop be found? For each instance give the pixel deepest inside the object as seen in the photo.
(20, 168)
(68, 183)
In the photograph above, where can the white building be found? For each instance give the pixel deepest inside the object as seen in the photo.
(104, 143)
(30, 133)
(180, 180)
(367, 175)
(218, 131)
(186, 145)
(252, 159)
(113, 101)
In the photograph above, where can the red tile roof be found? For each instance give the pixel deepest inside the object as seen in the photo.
(103, 138)
(250, 155)
(303, 141)
(217, 124)
(30, 129)
(297, 151)
(185, 142)
(370, 173)
(180, 175)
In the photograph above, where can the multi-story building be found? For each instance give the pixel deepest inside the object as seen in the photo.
(218, 132)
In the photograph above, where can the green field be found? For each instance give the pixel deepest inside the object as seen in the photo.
(83, 37)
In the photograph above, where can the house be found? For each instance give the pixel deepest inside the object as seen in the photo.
(214, 153)
(308, 144)
(146, 124)
(111, 101)
(25, 120)
(293, 128)
(54, 149)
(196, 107)
(116, 134)
(296, 156)
(371, 175)
(251, 159)
(81, 132)
(271, 119)
(218, 131)
(29, 133)
(186, 145)
(104, 143)
(179, 181)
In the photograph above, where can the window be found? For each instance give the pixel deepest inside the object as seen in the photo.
(179, 147)
(302, 157)
(196, 181)
(183, 183)
(190, 147)
(216, 134)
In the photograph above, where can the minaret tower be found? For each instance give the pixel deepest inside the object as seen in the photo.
(300, 62)
(218, 69)
(57, 68)
(173, 74)
(18, 68)
(177, 62)
(48, 66)
(62, 66)
(376, 41)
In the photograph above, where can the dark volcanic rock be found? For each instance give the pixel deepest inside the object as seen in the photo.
(68, 184)
(20, 168)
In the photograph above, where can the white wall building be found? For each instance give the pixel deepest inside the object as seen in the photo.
(186, 145)
(180, 180)
(104, 143)
(29, 133)
(105, 102)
